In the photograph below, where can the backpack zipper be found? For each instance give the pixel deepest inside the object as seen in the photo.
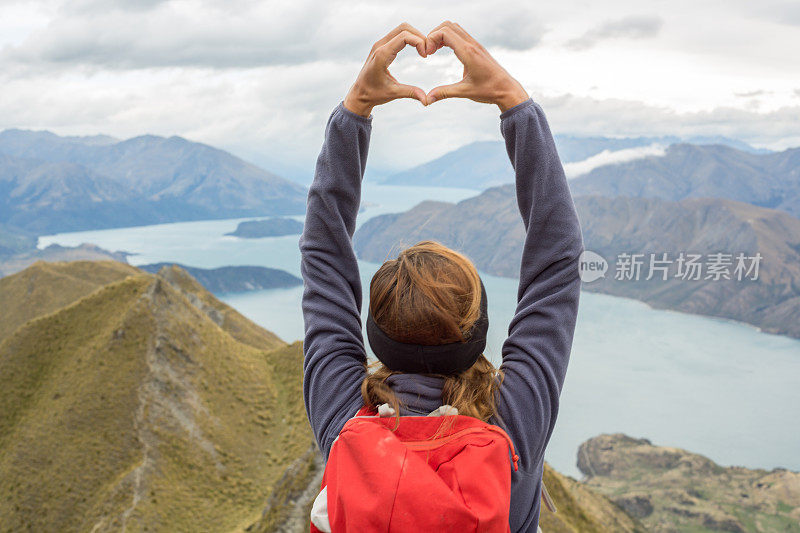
(435, 443)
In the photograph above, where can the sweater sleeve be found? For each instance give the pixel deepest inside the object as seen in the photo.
(536, 352)
(334, 362)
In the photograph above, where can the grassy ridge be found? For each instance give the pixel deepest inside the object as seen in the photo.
(143, 405)
(46, 287)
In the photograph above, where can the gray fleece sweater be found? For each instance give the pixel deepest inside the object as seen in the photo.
(536, 352)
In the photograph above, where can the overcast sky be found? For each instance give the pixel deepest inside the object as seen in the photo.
(260, 78)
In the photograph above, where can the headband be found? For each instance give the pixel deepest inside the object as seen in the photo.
(446, 359)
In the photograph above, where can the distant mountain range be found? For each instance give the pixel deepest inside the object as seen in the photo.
(54, 184)
(489, 230)
(670, 489)
(688, 171)
(485, 164)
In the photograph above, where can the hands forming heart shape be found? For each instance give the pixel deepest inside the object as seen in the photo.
(484, 79)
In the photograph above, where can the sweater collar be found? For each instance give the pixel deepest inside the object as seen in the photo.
(418, 394)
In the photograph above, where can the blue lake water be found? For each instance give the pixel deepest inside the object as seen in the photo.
(714, 387)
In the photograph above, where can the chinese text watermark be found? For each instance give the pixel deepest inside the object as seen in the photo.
(665, 265)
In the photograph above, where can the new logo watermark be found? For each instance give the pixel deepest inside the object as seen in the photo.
(663, 266)
(592, 266)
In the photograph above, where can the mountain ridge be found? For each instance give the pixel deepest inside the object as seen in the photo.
(204, 413)
(484, 164)
(689, 171)
(488, 229)
(55, 184)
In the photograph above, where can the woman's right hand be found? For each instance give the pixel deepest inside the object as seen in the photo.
(484, 79)
(375, 85)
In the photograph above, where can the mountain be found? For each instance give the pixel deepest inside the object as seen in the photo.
(55, 253)
(140, 402)
(272, 227)
(688, 171)
(230, 279)
(485, 164)
(489, 230)
(670, 489)
(14, 240)
(55, 184)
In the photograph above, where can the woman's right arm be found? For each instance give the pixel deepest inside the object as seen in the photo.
(537, 350)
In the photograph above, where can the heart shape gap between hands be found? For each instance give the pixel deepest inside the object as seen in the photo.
(484, 80)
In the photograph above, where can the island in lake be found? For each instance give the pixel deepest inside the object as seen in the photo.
(229, 279)
(271, 227)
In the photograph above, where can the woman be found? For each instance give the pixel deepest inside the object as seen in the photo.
(536, 353)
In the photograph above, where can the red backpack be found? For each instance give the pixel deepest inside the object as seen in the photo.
(430, 473)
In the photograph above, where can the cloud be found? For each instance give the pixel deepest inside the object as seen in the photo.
(607, 157)
(260, 77)
(616, 117)
(517, 30)
(192, 33)
(118, 34)
(636, 27)
(751, 94)
(781, 11)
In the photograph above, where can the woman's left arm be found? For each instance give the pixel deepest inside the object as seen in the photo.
(334, 364)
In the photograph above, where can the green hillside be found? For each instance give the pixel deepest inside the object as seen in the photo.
(144, 404)
(46, 287)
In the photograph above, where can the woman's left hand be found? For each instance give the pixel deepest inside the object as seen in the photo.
(375, 85)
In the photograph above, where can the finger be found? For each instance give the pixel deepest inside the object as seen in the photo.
(386, 53)
(454, 90)
(445, 36)
(410, 91)
(405, 26)
(458, 30)
(463, 33)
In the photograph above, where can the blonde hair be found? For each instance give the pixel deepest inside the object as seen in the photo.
(431, 295)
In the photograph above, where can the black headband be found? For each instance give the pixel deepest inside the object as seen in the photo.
(446, 359)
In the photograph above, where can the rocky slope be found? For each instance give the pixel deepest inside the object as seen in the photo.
(672, 490)
(52, 184)
(271, 227)
(489, 230)
(130, 401)
(580, 509)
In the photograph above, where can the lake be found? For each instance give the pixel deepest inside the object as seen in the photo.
(710, 386)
